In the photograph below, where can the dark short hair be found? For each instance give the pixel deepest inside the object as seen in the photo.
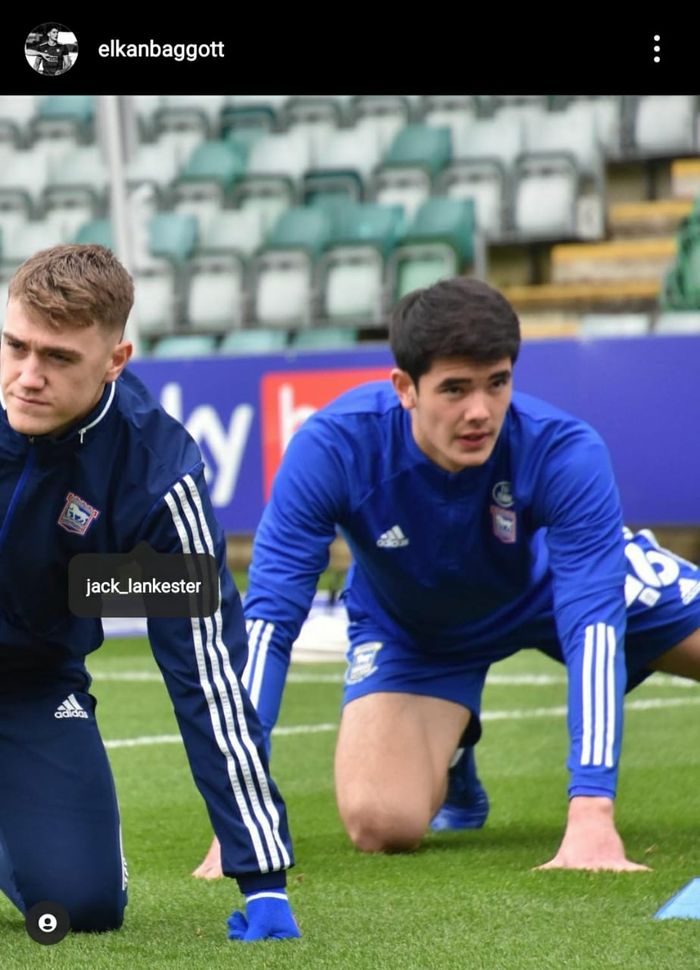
(72, 285)
(461, 317)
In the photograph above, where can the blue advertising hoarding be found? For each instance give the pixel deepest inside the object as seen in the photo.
(642, 395)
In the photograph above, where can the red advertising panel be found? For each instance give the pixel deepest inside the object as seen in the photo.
(289, 398)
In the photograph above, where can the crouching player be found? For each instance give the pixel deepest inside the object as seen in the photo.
(481, 521)
(90, 463)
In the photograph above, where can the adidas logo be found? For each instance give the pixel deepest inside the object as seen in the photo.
(689, 589)
(70, 708)
(392, 539)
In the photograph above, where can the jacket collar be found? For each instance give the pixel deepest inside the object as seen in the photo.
(81, 427)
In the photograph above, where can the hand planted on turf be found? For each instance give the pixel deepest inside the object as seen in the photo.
(210, 867)
(591, 840)
(268, 916)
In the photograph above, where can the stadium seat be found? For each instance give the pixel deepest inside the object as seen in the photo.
(486, 183)
(455, 111)
(22, 181)
(156, 300)
(77, 107)
(155, 164)
(97, 231)
(176, 106)
(560, 131)
(259, 341)
(172, 236)
(231, 231)
(185, 345)
(185, 120)
(16, 113)
(415, 157)
(26, 240)
(606, 114)
(665, 125)
(351, 271)
(144, 107)
(76, 188)
(384, 114)
(275, 167)
(345, 165)
(215, 292)
(243, 112)
(324, 338)
(283, 270)
(304, 228)
(317, 118)
(484, 152)
(545, 194)
(204, 182)
(439, 242)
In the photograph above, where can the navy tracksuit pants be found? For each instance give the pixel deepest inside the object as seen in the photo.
(60, 836)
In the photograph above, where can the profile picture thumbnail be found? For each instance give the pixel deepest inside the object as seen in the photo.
(51, 49)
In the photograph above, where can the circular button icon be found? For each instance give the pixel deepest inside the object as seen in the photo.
(47, 922)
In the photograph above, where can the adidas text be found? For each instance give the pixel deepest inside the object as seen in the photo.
(70, 708)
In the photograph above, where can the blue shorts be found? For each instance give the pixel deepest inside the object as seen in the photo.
(663, 608)
(60, 837)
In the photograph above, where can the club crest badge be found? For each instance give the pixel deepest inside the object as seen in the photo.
(502, 495)
(77, 515)
(363, 663)
(504, 524)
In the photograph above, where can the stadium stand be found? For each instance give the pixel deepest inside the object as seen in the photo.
(582, 205)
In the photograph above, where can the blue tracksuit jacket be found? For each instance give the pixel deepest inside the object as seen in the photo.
(130, 473)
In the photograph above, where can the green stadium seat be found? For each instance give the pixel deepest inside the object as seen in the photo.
(204, 182)
(302, 228)
(351, 271)
(441, 241)
(283, 270)
(185, 345)
(220, 162)
(97, 231)
(80, 107)
(259, 341)
(325, 338)
(414, 159)
(172, 235)
(247, 112)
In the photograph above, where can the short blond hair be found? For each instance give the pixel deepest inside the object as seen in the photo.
(76, 286)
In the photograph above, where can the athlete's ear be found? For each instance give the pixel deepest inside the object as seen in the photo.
(120, 357)
(405, 388)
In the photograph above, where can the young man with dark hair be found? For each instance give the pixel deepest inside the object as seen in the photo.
(481, 521)
(90, 463)
(52, 57)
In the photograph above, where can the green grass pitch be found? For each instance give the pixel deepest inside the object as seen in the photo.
(464, 900)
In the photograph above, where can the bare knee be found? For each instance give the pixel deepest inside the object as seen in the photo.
(377, 829)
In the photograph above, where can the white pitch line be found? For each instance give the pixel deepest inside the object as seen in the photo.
(493, 680)
(650, 704)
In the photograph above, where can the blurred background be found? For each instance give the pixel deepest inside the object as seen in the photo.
(270, 235)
